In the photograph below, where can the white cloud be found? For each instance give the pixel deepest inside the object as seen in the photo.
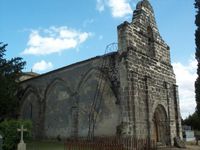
(42, 66)
(100, 5)
(186, 76)
(119, 8)
(54, 40)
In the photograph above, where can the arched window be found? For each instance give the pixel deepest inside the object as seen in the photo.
(150, 38)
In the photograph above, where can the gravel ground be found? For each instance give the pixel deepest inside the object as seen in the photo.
(188, 147)
(193, 147)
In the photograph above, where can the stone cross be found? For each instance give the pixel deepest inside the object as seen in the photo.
(22, 130)
(1, 142)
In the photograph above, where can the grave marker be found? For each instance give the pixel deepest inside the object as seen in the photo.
(21, 145)
(1, 142)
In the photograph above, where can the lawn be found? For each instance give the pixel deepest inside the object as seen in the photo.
(45, 145)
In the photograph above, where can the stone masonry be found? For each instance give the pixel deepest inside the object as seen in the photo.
(147, 79)
(131, 92)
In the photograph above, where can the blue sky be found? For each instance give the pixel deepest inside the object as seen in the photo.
(50, 34)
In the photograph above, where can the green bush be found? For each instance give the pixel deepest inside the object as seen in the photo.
(10, 134)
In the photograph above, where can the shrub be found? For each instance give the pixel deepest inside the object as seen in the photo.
(10, 134)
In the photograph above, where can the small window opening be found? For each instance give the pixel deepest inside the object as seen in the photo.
(150, 37)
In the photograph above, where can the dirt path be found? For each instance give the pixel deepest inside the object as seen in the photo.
(193, 147)
(189, 147)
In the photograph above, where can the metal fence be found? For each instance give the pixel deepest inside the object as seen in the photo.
(110, 143)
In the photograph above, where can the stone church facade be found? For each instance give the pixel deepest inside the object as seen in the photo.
(130, 92)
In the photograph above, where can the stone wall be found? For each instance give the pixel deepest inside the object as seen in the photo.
(147, 79)
(131, 92)
(77, 100)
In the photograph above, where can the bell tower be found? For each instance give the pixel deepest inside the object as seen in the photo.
(142, 34)
(147, 79)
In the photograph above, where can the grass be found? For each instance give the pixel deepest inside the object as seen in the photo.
(45, 145)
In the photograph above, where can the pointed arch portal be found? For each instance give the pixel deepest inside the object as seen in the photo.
(160, 125)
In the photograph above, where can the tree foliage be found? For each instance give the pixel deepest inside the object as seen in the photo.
(10, 70)
(197, 41)
(11, 136)
(193, 121)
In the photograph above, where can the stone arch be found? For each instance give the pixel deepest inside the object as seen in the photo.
(86, 76)
(31, 109)
(57, 81)
(58, 104)
(162, 103)
(104, 105)
(160, 125)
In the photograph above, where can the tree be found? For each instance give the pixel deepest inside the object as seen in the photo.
(10, 71)
(11, 136)
(197, 54)
(193, 121)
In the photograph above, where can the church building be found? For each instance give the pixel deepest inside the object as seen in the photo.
(129, 92)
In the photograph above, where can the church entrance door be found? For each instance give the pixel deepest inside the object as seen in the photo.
(160, 125)
(155, 131)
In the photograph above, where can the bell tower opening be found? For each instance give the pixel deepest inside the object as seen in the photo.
(150, 42)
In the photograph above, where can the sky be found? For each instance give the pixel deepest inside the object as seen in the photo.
(49, 34)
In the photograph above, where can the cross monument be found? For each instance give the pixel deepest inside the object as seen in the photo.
(21, 145)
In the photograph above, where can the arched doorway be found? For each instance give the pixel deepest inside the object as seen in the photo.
(160, 125)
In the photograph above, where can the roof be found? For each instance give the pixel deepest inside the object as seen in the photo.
(31, 73)
(72, 65)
